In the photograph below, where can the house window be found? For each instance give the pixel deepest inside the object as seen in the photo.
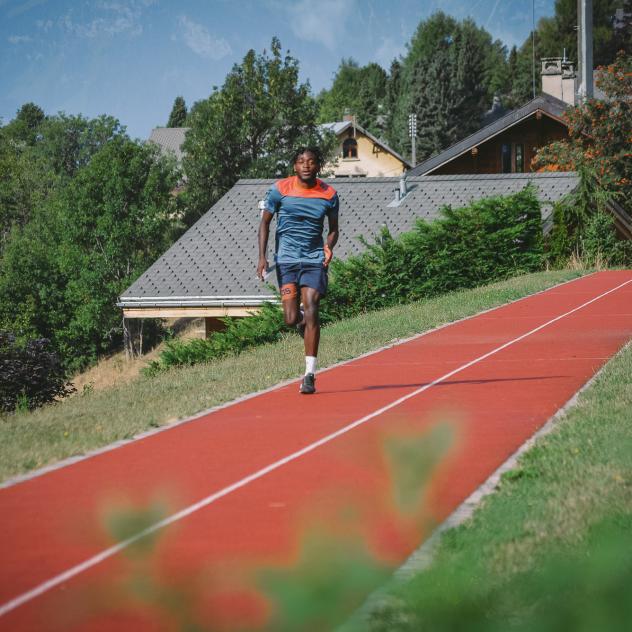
(505, 157)
(350, 148)
(519, 151)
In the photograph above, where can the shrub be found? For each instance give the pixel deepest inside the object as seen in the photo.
(240, 333)
(489, 240)
(30, 374)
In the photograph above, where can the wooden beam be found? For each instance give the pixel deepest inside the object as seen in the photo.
(189, 312)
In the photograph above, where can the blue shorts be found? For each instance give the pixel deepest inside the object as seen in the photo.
(312, 275)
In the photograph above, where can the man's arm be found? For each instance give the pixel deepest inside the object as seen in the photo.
(264, 232)
(332, 239)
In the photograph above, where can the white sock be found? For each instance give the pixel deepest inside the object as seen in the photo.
(310, 364)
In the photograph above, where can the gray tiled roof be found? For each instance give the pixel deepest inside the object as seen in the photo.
(169, 139)
(214, 262)
(544, 102)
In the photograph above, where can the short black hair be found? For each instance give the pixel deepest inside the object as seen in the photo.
(315, 151)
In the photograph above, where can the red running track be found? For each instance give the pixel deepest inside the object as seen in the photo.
(242, 481)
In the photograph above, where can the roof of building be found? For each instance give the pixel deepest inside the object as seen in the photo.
(169, 139)
(338, 127)
(214, 262)
(543, 103)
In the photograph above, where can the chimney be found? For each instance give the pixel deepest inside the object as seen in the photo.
(347, 116)
(558, 78)
(402, 186)
(585, 49)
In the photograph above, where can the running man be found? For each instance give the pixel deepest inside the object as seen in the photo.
(301, 203)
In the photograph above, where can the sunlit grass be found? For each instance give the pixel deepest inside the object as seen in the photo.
(541, 552)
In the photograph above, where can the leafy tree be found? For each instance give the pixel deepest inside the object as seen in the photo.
(68, 142)
(247, 128)
(358, 90)
(62, 272)
(598, 146)
(36, 163)
(25, 183)
(26, 123)
(178, 116)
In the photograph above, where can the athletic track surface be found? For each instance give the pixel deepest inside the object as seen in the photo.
(241, 482)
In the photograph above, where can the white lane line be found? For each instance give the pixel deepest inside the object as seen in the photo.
(187, 511)
(20, 478)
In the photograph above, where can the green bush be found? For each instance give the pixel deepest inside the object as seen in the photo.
(30, 374)
(489, 240)
(240, 333)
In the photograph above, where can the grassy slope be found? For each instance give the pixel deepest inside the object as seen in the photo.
(98, 418)
(574, 479)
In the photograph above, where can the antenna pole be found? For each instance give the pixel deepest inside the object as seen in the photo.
(533, 44)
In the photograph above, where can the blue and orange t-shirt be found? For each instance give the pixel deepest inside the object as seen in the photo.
(300, 219)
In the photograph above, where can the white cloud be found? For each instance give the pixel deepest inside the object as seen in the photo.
(323, 22)
(201, 42)
(19, 39)
(116, 18)
(45, 25)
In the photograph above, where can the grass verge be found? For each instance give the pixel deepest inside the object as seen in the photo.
(98, 418)
(551, 549)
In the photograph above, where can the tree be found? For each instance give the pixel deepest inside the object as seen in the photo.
(247, 128)
(357, 90)
(178, 116)
(598, 147)
(39, 154)
(62, 272)
(26, 123)
(443, 81)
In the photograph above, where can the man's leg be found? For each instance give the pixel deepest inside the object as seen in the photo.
(289, 301)
(287, 277)
(311, 301)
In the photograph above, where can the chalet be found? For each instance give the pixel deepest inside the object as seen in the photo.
(510, 142)
(361, 154)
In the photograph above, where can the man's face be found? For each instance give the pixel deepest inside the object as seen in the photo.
(306, 167)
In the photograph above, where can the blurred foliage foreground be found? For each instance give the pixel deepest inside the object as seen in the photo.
(587, 586)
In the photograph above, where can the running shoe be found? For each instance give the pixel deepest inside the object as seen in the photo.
(308, 385)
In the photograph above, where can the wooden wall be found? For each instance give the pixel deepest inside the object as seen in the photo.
(533, 133)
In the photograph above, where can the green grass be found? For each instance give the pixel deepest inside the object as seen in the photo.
(98, 418)
(551, 549)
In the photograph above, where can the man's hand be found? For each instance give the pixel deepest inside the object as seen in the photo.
(262, 268)
(328, 255)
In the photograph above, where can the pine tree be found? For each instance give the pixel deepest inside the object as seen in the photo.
(444, 82)
(178, 115)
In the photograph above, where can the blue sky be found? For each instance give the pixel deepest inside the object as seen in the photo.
(131, 58)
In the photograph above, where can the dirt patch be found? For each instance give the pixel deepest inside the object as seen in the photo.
(117, 369)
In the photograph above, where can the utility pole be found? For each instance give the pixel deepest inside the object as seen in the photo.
(412, 132)
(585, 49)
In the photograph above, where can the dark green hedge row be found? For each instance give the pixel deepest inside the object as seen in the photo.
(489, 240)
